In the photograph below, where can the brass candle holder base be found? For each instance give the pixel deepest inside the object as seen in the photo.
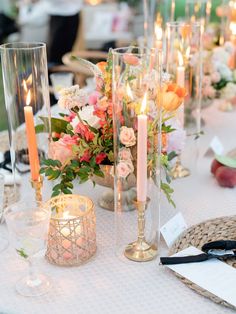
(141, 250)
(179, 171)
(37, 186)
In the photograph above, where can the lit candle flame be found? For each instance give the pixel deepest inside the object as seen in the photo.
(187, 52)
(158, 32)
(129, 92)
(180, 58)
(29, 80)
(28, 98)
(144, 103)
(25, 86)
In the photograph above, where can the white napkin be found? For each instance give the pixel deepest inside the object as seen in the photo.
(9, 178)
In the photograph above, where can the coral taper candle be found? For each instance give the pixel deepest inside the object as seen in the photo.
(31, 139)
(142, 154)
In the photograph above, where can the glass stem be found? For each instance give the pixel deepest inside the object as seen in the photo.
(33, 278)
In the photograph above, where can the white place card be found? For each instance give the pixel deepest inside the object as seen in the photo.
(215, 148)
(213, 275)
(173, 229)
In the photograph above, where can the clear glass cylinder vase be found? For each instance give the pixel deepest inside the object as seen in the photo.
(156, 14)
(25, 80)
(137, 149)
(184, 68)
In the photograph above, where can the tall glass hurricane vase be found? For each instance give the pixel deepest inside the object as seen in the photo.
(156, 14)
(184, 67)
(137, 148)
(25, 79)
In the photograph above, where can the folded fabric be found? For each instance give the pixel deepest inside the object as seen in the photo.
(9, 178)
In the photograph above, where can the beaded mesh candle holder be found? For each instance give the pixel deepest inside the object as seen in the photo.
(72, 231)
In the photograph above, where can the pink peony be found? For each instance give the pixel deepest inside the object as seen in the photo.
(125, 154)
(130, 59)
(100, 157)
(60, 151)
(93, 98)
(127, 136)
(215, 77)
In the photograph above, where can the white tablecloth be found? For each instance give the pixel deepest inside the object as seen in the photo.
(107, 285)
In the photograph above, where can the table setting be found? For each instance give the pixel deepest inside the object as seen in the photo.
(120, 197)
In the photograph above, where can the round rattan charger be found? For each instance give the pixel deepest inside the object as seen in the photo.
(223, 228)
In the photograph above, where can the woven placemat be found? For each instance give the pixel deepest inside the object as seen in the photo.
(223, 228)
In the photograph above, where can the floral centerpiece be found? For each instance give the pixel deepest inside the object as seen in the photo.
(82, 139)
(218, 73)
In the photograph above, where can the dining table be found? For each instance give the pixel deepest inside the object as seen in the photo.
(108, 284)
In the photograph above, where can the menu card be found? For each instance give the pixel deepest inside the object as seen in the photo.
(213, 275)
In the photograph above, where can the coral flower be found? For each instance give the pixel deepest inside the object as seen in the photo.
(130, 59)
(100, 157)
(102, 66)
(171, 101)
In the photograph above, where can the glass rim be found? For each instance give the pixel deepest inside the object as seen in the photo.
(176, 24)
(143, 51)
(88, 210)
(24, 206)
(23, 45)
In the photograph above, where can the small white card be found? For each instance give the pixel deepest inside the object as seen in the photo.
(173, 229)
(213, 275)
(216, 147)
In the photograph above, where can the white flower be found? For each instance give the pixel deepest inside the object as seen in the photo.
(72, 97)
(229, 47)
(220, 55)
(229, 91)
(127, 136)
(224, 71)
(86, 114)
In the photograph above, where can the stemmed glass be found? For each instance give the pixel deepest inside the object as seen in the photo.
(28, 228)
(3, 241)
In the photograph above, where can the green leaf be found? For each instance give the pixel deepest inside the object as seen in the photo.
(99, 173)
(226, 161)
(66, 191)
(22, 253)
(172, 155)
(167, 190)
(57, 125)
(40, 128)
(56, 193)
(57, 187)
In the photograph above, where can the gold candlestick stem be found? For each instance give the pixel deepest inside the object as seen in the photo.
(140, 250)
(179, 171)
(37, 185)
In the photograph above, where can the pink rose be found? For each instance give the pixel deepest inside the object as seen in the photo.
(127, 136)
(130, 59)
(60, 151)
(125, 154)
(93, 98)
(102, 104)
(215, 77)
(209, 92)
(123, 169)
(206, 80)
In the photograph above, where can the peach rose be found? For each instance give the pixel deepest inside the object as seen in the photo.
(124, 169)
(127, 136)
(60, 151)
(125, 154)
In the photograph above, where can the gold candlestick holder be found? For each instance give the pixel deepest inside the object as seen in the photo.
(179, 171)
(141, 250)
(37, 186)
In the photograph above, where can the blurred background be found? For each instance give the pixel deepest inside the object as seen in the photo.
(88, 28)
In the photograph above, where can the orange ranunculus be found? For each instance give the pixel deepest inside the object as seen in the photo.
(171, 101)
(102, 66)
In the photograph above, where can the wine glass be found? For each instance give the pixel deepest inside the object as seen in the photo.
(28, 228)
(3, 240)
